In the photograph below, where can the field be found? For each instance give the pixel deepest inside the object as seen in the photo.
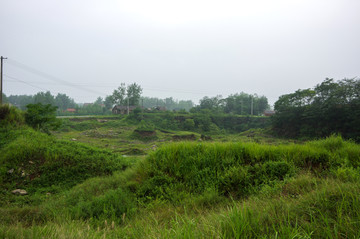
(106, 177)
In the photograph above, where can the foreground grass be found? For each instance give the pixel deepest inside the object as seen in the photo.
(181, 190)
(303, 207)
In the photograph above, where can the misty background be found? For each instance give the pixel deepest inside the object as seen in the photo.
(181, 49)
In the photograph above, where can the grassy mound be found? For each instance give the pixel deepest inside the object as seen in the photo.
(182, 190)
(238, 169)
(37, 162)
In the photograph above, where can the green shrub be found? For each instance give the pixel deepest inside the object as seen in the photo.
(10, 116)
(42, 117)
(113, 205)
(189, 124)
(329, 210)
(40, 161)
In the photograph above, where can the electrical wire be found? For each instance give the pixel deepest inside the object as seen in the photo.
(27, 83)
(48, 76)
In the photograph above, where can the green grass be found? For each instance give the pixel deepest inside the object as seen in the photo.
(233, 189)
(41, 164)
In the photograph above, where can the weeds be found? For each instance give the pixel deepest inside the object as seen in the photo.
(181, 190)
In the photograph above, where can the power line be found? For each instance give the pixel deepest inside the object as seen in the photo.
(1, 78)
(56, 79)
(84, 87)
(16, 79)
(48, 76)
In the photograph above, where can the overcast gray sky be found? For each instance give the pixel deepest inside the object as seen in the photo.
(187, 49)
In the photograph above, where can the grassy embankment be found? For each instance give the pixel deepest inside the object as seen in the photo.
(181, 190)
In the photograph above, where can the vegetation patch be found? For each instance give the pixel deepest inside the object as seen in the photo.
(35, 161)
(190, 137)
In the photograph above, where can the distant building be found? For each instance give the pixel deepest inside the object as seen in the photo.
(160, 108)
(269, 112)
(119, 109)
(72, 110)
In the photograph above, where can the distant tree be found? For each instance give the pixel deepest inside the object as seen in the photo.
(108, 102)
(119, 95)
(99, 101)
(63, 102)
(21, 100)
(170, 103)
(4, 98)
(44, 98)
(185, 104)
(213, 103)
(241, 104)
(134, 94)
(189, 124)
(331, 107)
(203, 120)
(42, 117)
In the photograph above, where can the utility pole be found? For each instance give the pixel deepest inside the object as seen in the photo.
(242, 106)
(128, 107)
(252, 105)
(1, 79)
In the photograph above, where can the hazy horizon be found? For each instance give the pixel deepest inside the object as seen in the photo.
(180, 49)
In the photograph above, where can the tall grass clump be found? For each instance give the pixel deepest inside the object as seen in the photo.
(35, 161)
(230, 169)
(10, 116)
(329, 210)
(237, 169)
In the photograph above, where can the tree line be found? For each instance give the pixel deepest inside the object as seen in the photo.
(332, 107)
(124, 95)
(240, 104)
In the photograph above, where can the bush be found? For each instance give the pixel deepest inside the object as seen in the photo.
(10, 116)
(40, 161)
(113, 205)
(42, 117)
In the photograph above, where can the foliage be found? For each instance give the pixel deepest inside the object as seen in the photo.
(21, 100)
(4, 99)
(331, 107)
(45, 98)
(181, 190)
(133, 92)
(92, 109)
(189, 124)
(42, 117)
(127, 95)
(39, 161)
(63, 102)
(119, 95)
(238, 169)
(168, 103)
(10, 116)
(241, 104)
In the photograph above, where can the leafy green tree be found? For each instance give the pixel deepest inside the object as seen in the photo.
(203, 120)
(185, 104)
(63, 102)
(4, 98)
(330, 108)
(119, 95)
(108, 102)
(169, 103)
(214, 104)
(134, 93)
(42, 117)
(241, 104)
(99, 101)
(44, 98)
(189, 124)
(21, 100)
